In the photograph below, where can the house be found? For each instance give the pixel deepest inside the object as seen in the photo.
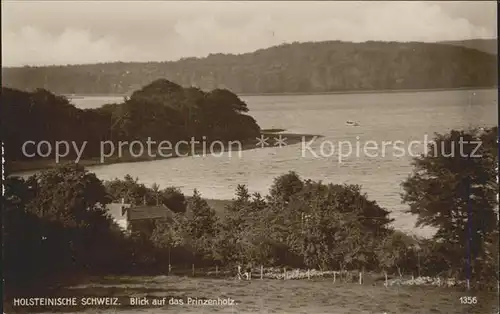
(138, 218)
(117, 211)
(143, 218)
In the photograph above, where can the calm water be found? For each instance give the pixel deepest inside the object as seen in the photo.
(382, 117)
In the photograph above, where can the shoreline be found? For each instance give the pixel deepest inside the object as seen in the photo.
(19, 168)
(346, 92)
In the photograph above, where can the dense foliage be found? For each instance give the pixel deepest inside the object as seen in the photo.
(57, 219)
(130, 191)
(43, 116)
(298, 67)
(54, 224)
(454, 188)
(160, 111)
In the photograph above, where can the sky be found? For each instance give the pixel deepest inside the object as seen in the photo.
(77, 32)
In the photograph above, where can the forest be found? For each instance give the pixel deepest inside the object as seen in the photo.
(161, 110)
(308, 67)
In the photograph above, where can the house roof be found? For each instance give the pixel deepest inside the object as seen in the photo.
(149, 212)
(118, 211)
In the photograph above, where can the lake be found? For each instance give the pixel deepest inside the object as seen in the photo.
(405, 116)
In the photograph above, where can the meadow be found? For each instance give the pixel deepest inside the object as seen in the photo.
(315, 296)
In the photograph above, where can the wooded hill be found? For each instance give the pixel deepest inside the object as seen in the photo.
(310, 67)
(484, 45)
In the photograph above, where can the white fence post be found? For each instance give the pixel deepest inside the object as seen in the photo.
(261, 272)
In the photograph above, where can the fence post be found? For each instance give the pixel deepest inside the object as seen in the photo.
(418, 257)
(216, 270)
(308, 274)
(386, 283)
(169, 262)
(334, 276)
(284, 273)
(468, 284)
(360, 277)
(261, 272)
(192, 266)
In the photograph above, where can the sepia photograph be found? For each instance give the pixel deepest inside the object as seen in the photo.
(316, 157)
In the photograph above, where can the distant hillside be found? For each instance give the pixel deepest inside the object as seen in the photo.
(484, 45)
(289, 68)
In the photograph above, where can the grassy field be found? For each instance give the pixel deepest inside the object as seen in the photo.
(319, 296)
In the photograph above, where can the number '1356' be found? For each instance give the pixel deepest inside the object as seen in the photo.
(468, 300)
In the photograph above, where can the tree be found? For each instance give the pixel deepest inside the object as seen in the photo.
(68, 194)
(200, 226)
(169, 235)
(155, 190)
(396, 252)
(130, 191)
(58, 219)
(285, 186)
(71, 203)
(455, 192)
(328, 226)
(244, 235)
(226, 99)
(174, 199)
(22, 236)
(50, 118)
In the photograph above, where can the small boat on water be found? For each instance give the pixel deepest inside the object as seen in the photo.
(351, 123)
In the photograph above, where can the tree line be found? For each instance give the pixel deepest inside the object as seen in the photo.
(308, 67)
(161, 110)
(58, 219)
